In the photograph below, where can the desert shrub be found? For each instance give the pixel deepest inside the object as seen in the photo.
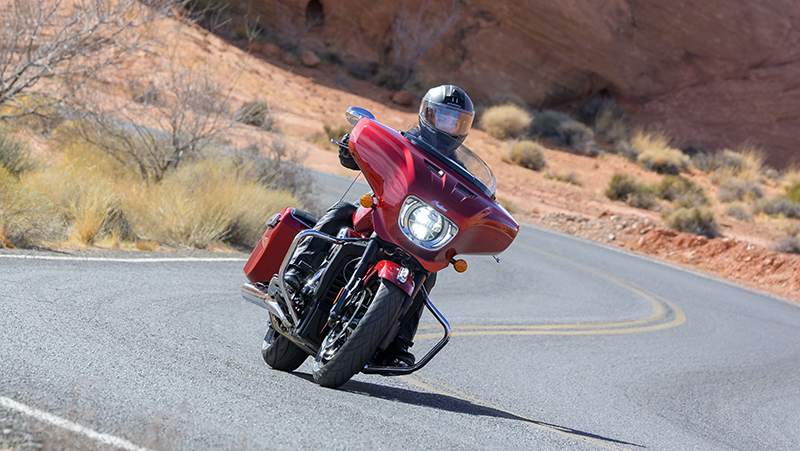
(788, 245)
(627, 150)
(561, 129)
(527, 154)
(735, 189)
(627, 189)
(40, 113)
(738, 211)
(612, 127)
(257, 114)
(681, 191)
(695, 220)
(546, 124)
(663, 161)
(84, 192)
(26, 219)
(505, 121)
(657, 155)
(793, 192)
(746, 163)
(207, 201)
(777, 207)
(605, 118)
(14, 157)
(571, 177)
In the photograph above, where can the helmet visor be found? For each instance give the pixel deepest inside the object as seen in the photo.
(446, 119)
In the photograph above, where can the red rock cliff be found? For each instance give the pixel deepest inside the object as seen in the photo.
(713, 72)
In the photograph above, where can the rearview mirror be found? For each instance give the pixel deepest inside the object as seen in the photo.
(355, 113)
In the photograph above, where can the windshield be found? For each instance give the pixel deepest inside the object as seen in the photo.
(457, 157)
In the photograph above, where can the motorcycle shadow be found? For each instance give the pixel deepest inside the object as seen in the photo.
(454, 404)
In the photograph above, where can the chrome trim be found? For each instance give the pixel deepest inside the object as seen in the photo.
(402, 370)
(252, 293)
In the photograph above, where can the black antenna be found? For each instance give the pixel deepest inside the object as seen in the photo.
(351, 185)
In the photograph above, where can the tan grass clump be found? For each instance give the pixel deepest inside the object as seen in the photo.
(25, 216)
(206, 202)
(747, 163)
(527, 154)
(505, 121)
(571, 177)
(85, 190)
(657, 154)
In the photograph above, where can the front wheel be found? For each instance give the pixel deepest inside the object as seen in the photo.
(280, 353)
(352, 341)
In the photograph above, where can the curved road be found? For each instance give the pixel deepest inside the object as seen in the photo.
(563, 345)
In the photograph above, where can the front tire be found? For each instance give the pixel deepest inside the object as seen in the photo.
(280, 353)
(350, 345)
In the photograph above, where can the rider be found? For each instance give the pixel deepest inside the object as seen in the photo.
(445, 118)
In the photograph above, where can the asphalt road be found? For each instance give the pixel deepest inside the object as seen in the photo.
(563, 345)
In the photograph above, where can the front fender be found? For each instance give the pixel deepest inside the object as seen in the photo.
(391, 271)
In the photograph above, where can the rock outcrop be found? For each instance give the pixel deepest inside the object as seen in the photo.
(712, 72)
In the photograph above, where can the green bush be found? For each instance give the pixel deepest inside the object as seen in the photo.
(627, 189)
(257, 114)
(527, 154)
(606, 119)
(695, 220)
(505, 121)
(14, 157)
(793, 192)
(681, 191)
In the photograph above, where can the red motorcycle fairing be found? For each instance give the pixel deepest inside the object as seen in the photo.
(391, 271)
(396, 169)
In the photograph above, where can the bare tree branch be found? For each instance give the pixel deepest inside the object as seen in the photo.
(67, 38)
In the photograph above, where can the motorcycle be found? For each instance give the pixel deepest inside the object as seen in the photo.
(426, 207)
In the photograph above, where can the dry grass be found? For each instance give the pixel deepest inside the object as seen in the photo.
(658, 155)
(571, 177)
(206, 202)
(746, 163)
(527, 154)
(86, 197)
(505, 121)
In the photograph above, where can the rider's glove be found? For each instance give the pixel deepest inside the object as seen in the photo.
(344, 154)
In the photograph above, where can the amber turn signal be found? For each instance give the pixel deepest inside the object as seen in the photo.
(460, 265)
(367, 201)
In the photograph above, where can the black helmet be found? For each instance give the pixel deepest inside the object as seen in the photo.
(447, 109)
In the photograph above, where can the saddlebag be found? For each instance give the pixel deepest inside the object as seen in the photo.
(266, 259)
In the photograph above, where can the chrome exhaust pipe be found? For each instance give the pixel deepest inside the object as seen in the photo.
(252, 293)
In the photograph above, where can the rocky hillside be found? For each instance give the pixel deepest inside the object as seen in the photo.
(717, 73)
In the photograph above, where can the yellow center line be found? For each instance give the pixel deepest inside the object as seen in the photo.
(661, 308)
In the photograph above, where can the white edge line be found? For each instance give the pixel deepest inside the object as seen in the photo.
(69, 425)
(124, 260)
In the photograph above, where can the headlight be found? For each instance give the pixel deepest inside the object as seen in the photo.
(424, 225)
